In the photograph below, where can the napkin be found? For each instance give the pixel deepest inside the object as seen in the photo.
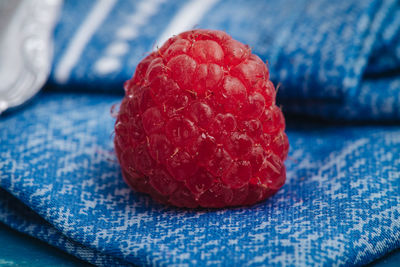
(60, 180)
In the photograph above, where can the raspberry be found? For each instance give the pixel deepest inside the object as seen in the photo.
(198, 125)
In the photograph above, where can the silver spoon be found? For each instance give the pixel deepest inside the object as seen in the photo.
(26, 30)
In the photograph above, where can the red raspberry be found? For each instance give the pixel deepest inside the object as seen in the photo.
(198, 125)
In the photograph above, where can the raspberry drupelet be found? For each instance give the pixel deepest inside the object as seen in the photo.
(198, 126)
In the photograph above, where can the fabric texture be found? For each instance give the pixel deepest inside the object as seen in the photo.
(337, 61)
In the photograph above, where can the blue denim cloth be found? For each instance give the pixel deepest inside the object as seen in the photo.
(335, 60)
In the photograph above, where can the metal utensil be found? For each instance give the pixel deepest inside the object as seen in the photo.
(25, 48)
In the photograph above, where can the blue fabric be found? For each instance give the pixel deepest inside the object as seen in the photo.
(341, 204)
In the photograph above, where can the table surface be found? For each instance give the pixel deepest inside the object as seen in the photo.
(17, 249)
(21, 250)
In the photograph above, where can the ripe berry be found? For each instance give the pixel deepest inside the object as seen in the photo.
(198, 125)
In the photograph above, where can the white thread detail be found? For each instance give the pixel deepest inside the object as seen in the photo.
(96, 16)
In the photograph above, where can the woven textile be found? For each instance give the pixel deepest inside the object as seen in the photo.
(60, 180)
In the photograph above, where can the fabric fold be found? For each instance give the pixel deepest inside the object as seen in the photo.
(21, 218)
(340, 203)
(321, 52)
